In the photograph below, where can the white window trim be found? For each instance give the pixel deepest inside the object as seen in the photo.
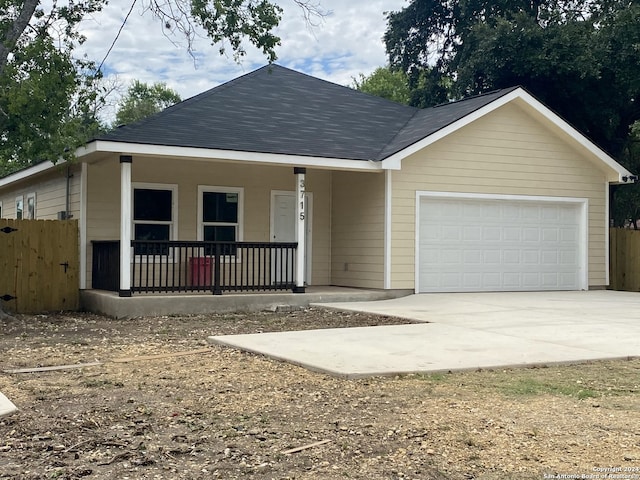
(173, 229)
(218, 189)
(26, 205)
(19, 198)
(207, 188)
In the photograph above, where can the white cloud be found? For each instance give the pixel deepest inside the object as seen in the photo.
(345, 43)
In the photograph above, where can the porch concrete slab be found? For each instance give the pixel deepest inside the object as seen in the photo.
(140, 305)
(465, 331)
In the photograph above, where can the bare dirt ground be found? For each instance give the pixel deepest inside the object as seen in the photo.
(227, 414)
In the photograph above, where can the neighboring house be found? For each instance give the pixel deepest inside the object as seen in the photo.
(491, 193)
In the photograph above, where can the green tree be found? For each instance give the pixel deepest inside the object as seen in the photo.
(580, 57)
(428, 88)
(386, 83)
(142, 100)
(49, 98)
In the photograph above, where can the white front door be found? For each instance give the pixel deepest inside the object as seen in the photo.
(283, 225)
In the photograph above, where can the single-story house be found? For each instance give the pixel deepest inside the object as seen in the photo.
(277, 179)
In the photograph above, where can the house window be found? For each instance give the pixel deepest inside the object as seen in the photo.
(19, 207)
(220, 215)
(153, 216)
(31, 206)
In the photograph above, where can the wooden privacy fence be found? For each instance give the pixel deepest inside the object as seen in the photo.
(39, 265)
(624, 261)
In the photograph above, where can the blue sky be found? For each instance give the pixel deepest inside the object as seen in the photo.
(344, 44)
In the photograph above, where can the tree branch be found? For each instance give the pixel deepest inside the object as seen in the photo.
(10, 39)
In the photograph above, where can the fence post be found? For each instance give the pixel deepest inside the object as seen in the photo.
(613, 259)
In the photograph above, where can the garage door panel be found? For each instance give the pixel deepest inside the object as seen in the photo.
(531, 281)
(451, 233)
(550, 257)
(566, 280)
(451, 257)
(492, 280)
(491, 257)
(473, 257)
(530, 234)
(568, 257)
(512, 280)
(531, 257)
(511, 234)
(569, 235)
(511, 257)
(498, 245)
(492, 234)
(472, 280)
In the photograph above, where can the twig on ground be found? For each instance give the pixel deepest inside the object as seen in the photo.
(160, 356)
(304, 447)
(51, 369)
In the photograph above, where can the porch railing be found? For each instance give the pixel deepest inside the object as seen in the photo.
(216, 267)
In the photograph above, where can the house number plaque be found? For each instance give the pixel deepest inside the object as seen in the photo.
(301, 199)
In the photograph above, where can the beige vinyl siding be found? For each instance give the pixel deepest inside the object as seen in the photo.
(50, 189)
(357, 230)
(504, 152)
(103, 212)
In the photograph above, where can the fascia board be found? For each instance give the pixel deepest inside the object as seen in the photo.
(575, 135)
(228, 155)
(29, 172)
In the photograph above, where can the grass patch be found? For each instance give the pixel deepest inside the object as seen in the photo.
(579, 381)
(531, 386)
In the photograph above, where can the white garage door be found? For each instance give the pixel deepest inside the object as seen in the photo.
(482, 244)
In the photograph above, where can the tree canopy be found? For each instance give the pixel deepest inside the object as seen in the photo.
(579, 57)
(50, 99)
(385, 83)
(393, 84)
(142, 100)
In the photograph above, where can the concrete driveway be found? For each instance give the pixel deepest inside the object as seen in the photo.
(6, 406)
(465, 331)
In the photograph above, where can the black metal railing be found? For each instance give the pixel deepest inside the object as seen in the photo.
(216, 267)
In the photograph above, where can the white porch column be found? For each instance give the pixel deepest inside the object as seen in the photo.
(301, 253)
(125, 225)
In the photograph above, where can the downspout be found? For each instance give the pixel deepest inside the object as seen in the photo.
(67, 213)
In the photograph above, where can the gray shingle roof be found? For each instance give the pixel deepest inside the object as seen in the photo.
(281, 111)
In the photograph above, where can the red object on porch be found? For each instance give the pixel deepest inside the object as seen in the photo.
(200, 268)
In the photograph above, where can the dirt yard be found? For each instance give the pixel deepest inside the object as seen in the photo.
(226, 414)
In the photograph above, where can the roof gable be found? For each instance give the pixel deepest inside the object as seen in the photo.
(469, 110)
(430, 120)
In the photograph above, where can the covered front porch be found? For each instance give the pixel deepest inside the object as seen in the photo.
(198, 227)
(150, 261)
